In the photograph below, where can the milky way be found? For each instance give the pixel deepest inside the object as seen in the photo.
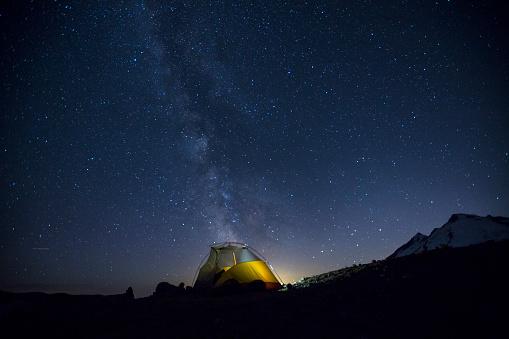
(136, 134)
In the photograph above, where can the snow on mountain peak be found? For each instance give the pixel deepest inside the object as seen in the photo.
(461, 230)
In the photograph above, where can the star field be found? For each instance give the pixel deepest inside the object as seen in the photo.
(135, 134)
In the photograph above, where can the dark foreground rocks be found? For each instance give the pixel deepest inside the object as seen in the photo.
(447, 293)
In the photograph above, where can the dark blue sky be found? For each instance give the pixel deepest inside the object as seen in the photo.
(134, 134)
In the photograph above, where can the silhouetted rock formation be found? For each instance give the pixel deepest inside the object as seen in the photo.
(129, 293)
(165, 289)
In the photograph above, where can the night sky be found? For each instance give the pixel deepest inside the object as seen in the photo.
(135, 134)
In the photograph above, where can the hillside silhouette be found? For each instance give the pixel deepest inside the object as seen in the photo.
(448, 292)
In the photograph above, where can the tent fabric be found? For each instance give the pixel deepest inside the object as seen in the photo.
(234, 262)
(247, 272)
(206, 274)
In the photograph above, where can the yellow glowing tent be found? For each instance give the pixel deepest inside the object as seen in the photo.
(233, 263)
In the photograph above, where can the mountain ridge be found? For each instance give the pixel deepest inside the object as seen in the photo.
(459, 231)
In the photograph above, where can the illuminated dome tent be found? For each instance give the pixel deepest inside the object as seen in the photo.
(232, 263)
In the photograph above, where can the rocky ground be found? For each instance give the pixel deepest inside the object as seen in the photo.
(446, 293)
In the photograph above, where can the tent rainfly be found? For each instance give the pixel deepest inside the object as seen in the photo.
(232, 263)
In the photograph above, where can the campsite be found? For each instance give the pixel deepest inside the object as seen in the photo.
(230, 264)
(446, 293)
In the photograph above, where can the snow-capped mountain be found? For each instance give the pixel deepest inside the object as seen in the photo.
(461, 230)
